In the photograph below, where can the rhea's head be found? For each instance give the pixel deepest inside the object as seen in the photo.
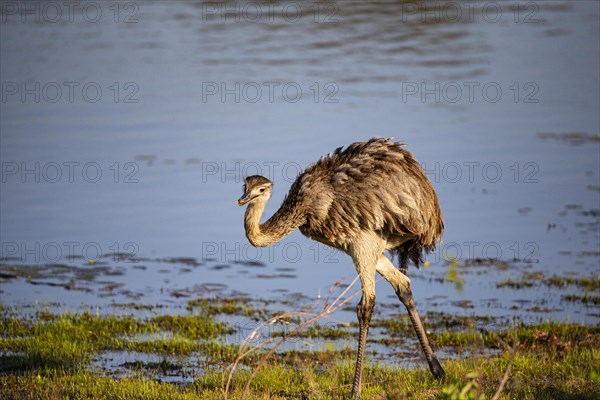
(257, 189)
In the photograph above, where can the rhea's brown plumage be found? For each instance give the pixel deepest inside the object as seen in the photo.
(367, 198)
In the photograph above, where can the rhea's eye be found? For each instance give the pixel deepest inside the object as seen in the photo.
(262, 190)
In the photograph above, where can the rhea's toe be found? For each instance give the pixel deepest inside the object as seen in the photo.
(436, 368)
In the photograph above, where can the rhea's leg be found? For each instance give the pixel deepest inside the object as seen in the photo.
(401, 284)
(364, 311)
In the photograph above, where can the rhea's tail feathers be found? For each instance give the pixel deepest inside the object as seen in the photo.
(411, 250)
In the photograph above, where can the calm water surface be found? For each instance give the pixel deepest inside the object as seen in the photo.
(133, 137)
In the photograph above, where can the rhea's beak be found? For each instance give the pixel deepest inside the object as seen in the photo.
(244, 199)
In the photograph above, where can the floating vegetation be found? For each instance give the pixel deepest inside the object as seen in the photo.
(529, 279)
(182, 260)
(486, 262)
(574, 138)
(586, 298)
(259, 264)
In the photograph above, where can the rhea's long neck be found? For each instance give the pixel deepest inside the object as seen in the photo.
(281, 224)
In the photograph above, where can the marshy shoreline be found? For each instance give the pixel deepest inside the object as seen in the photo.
(129, 345)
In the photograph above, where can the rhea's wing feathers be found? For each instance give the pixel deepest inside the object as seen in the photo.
(374, 185)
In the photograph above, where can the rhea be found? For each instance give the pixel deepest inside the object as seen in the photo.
(365, 199)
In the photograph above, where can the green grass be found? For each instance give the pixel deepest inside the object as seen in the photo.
(534, 377)
(72, 339)
(79, 384)
(49, 356)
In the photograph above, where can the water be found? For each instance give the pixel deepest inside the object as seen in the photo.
(133, 137)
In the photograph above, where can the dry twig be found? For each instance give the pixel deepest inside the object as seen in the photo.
(324, 312)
